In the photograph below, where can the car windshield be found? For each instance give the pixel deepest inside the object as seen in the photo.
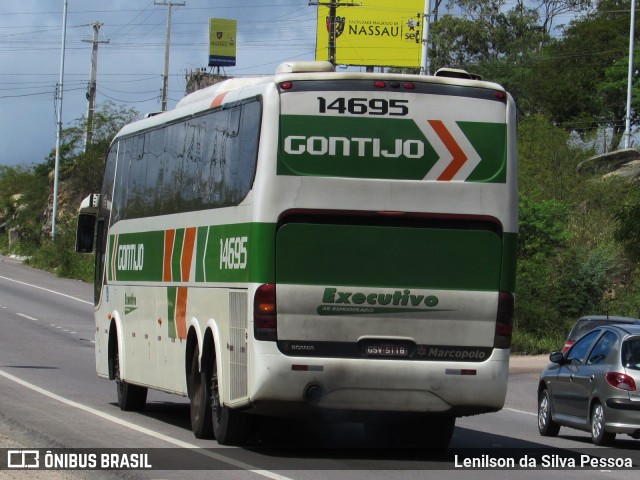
(631, 353)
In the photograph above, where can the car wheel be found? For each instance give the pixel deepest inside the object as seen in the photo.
(598, 434)
(546, 426)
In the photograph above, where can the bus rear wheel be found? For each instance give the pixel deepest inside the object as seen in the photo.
(131, 398)
(200, 401)
(230, 427)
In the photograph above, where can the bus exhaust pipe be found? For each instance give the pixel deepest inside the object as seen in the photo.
(313, 393)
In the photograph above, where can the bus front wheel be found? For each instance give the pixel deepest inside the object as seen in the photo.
(131, 398)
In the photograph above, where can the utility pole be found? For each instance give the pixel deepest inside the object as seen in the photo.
(165, 75)
(59, 93)
(426, 24)
(91, 91)
(333, 6)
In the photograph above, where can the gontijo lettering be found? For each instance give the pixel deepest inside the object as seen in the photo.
(131, 257)
(362, 147)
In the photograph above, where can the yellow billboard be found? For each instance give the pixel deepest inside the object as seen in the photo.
(373, 32)
(222, 42)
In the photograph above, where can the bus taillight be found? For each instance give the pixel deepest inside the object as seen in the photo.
(265, 318)
(504, 320)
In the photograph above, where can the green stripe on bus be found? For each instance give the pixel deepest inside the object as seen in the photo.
(315, 146)
(490, 142)
(138, 256)
(454, 259)
(177, 256)
(236, 253)
(247, 255)
(172, 295)
(381, 148)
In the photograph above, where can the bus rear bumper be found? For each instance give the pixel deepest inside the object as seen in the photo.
(368, 385)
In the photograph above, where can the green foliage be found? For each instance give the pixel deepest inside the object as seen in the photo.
(25, 195)
(541, 237)
(486, 33)
(628, 227)
(547, 160)
(24, 192)
(542, 227)
(584, 278)
(59, 255)
(532, 343)
(578, 75)
(625, 296)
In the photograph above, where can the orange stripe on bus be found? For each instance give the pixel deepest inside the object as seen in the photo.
(187, 252)
(218, 100)
(181, 313)
(185, 270)
(459, 157)
(169, 238)
(113, 258)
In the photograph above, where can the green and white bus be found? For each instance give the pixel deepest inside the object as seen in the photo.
(312, 242)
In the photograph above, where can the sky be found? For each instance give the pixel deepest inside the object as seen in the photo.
(131, 64)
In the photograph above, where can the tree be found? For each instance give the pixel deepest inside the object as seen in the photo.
(485, 33)
(579, 77)
(492, 41)
(551, 9)
(82, 170)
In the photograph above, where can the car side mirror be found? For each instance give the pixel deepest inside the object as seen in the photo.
(557, 357)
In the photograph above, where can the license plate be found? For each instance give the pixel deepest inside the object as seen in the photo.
(387, 350)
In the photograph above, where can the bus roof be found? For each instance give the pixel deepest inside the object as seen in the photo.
(205, 98)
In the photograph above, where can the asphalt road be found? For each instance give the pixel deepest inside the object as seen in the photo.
(51, 398)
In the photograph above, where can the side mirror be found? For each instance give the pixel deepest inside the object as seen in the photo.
(557, 357)
(86, 228)
(85, 233)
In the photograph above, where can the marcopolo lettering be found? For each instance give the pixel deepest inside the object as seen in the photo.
(443, 353)
(131, 257)
(361, 147)
(399, 297)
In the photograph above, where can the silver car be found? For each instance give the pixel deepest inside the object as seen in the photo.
(594, 386)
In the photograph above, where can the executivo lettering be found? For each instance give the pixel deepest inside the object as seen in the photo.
(335, 302)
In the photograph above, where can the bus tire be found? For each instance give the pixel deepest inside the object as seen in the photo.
(200, 402)
(131, 398)
(230, 427)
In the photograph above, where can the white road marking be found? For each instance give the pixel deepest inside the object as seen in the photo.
(26, 316)
(521, 411)
(146, 431)
(46, 290)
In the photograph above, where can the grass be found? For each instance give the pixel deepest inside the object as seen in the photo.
(527, 343)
